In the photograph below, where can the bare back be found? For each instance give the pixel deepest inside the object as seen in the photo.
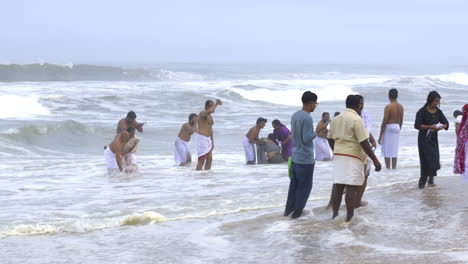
(205, 124)
(393, 113)
(123, 125)
(186, 131)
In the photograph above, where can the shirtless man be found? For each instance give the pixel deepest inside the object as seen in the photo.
(390, 130)
(251, 138)
(129, 121)
(113, 154)
(205, 135)
(322, 148)
(182, 143)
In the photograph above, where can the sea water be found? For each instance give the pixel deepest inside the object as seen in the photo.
(58, 205)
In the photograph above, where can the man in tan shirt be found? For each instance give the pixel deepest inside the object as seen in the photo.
(348, 139)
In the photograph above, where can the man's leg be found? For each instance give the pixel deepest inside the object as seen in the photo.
(362, 188)
(304, 186)
(291, 200)
(209, 160)
(351, 199)
(333, 193)
(200, 163)
(387, 163)
(394, 162)
(336, 200)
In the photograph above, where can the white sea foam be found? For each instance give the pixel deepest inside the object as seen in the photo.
(14, 106)
(456, 77)
(290, 97)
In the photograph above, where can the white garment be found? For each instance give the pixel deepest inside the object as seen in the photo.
(367, 121)
(458, 119)
(322, 149)
(465, 174)
(348, 170)
(204, 145)
(390, 141)
(181, 150)
(249, 150)
(111, 162)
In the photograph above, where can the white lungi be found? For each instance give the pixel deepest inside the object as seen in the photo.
(111, 162)
(204, 145)
(390, 141)
(249, 150)
(322, 149)
(181, 150)
(348, 170)
(465, 173)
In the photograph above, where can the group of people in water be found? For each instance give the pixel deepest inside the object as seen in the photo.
(346, 141)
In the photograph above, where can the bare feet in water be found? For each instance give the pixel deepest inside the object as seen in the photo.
(431, 185)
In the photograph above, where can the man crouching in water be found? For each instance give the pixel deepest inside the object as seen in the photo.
(113, 154)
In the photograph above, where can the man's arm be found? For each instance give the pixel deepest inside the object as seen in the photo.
(120, 126)
(138, 126)
(367, 148)
(286, 140)
(372, 140)
(253, 136)
(308, 133)
(401, 116)
(213, 108)
(320, 126)
(118, 158)
(384, 124)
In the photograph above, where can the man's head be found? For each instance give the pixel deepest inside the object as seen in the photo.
(208, 104)
(276, 124)
(272, 137)
(361, 101)
(193, 119)
(309, 101)
(325, 116)
(336, 114)
(393, 94)
(261, 122)
(124, 136)
(131, 131)
(353, 101)
(131, 116)
(457, 113)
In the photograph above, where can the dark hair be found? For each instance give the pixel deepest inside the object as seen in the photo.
(276, 122)
(261, 119)
(308, 97)
(336, 114)
(192, 116)
(359, 97)
(207, 103)
(324, 114)
(131, 115)
(431, 97)
(457, 113)
(130, 129)
(393, 94)
(272, 137)
(352, 101)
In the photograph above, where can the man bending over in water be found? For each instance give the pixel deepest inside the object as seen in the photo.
(205, 135)
(129, 121)
(113, 154)
(182, 143)
(250, 139)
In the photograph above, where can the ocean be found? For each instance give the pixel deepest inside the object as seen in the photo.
(58, 205)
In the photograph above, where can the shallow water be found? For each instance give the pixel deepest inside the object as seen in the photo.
(58, 204)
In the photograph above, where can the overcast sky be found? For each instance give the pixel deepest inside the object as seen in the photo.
(239, 31)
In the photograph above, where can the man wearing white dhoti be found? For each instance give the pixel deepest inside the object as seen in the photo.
(321, 146)
(205, 135)
(390, 129)
(348, 139)
(251, 139)
(182, 153)
(113, 154)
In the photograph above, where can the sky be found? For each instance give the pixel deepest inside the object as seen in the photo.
(238, 31)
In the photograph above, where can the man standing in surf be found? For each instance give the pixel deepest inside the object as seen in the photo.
(302, 130)
(182, 153)
(390, 130)
(205, 135)
(349, 141)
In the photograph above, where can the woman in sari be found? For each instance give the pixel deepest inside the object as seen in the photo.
(461, 152)
(429, 120)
